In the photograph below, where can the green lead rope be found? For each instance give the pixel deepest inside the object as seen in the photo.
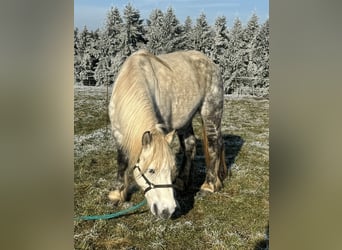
(114, 215)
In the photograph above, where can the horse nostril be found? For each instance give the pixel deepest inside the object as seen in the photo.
(165, 214)
(155, 209)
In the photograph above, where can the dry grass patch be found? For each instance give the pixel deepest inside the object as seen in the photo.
(234, 218)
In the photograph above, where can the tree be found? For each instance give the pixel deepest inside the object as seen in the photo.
(261, 54)
(202, 35)
(220, 43)
(110, 45)
(84, 41)
(187, 33)
(172, 32)
(154, 33)
(77, 58)
(132, 32)
(86, 58)
(111, 34)
(164, 32)
(234, 55)
(251, 58)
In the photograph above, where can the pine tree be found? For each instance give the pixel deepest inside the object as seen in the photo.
(172, 32)
(250, 56)
(220, 46)
(113, 28)
(110, 47)
(76, 41)
(221, 39)
(187, 34)
(77, 57)
(202, 36)
(154, 33)
(261, 54)
(234, 54)
(132, 33)
(84, 41)
(86, 60)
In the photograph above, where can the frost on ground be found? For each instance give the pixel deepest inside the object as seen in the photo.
(98, 140)
(236, 217)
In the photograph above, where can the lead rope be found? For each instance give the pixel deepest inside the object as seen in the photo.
(114, 215)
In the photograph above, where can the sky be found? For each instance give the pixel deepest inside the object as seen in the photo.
(92, 13)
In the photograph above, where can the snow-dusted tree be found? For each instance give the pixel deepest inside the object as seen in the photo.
(164, 32)
(221, 39)
(154, 33)
(251, 58)
(187, 31)
(235, 64)
(76, 41)
(103, 73)
(202, 35)
(172, 32)
(251, 29)
(111, 34)
(261, 57)
(132, 32)
(77, 57)
(111, 45)
(86, 58)
(220, 46)
(84, 41)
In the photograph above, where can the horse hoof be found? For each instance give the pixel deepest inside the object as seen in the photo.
(208, 187)
(115, 197)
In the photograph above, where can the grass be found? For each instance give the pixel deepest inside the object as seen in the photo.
(234, 218)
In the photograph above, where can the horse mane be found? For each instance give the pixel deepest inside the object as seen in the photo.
(134, 109)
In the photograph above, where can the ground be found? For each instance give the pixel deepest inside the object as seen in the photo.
(236, 217)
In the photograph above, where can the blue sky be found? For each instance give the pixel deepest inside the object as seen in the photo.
(92, 13)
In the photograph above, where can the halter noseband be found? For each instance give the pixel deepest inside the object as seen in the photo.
(150, 184)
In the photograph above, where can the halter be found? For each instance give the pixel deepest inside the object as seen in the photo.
(150, 184)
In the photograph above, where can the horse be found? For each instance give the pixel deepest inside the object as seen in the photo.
(153, 98)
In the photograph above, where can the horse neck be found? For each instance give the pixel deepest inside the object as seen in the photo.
(137, 121)
(134, 107)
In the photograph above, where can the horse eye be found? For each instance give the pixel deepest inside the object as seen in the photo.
(151, 171)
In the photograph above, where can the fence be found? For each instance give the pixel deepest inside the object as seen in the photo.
(248, 86)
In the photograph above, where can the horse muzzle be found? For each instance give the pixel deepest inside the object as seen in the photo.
(164, 213)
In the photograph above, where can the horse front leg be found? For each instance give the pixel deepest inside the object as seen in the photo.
(121, 186)
(187, 141)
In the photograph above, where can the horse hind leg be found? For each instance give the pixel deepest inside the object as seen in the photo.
(216, 169)
(121, 186)
(187, 141)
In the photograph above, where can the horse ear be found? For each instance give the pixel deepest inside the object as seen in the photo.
(146, 138)
(169, 136)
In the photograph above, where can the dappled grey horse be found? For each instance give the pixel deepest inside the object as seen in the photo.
(153, 97)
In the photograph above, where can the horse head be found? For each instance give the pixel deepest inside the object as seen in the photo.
(155, 171)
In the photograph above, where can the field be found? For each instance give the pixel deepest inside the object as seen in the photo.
(234, 218)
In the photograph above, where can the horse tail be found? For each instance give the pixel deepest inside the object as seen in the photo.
(223, 171)
(205, 146)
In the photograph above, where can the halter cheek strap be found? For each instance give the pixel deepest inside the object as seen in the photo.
(149, 183)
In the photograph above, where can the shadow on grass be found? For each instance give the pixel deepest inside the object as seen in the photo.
(263, 244)
(186, 198)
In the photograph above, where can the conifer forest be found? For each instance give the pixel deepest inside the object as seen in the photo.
(241, 51)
